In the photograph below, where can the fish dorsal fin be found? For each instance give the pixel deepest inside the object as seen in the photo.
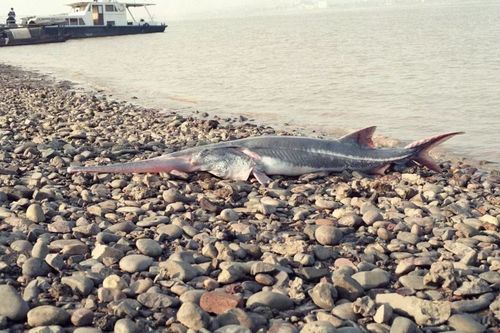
(363, 137)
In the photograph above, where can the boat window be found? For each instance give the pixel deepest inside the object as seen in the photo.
(73, 21)
(111, 8)
(81, 22)
(67, 21)
(111, 23)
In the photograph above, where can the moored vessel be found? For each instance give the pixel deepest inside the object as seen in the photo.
(98, 19)
(21, 35)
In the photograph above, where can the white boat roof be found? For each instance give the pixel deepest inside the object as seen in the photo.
(128, 4)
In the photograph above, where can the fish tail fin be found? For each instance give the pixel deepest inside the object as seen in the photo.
(422, 148)
(154, 165)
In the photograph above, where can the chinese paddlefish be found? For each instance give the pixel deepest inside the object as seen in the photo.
(282, 155)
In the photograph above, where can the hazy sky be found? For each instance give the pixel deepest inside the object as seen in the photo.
(164, 9)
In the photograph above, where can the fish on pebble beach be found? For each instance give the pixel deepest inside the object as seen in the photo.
(283, 155)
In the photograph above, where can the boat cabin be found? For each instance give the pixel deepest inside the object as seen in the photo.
(96, 13)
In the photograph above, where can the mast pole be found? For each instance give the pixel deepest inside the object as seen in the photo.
(133, 18)
(147, 11)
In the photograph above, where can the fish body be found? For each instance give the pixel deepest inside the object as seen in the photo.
(283, 155)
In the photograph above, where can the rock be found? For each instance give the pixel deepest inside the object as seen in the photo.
(324, 295)
(34, 267)
(441, 273)
(100, 252)
(345, 311)
(318, 327)
(192, 296)
(82, 317)
(372, 279)
(347, 287)
(218, 301)
(326, 316)
(81, 285)
(192, 316)
(47, 329)
(126, 325)
(408, 237)
(87, 330)
(326, 204)
(172, 231)
(312, 273)
(491, 220)
(465, 323)
(21, 245)
(349, 330)
(232, 329)
(328, 235)
(371, 216)
(40, 249)
(135, 263)
(490, 277)
(262, 267)
(229, 215)
(473, 287)
(12, 305)
(473, 305)
(428, 313)
(35, 213)
(179, 270)
(378, 328)
(271, 299)
(383, 314)
(157, 301)
(45, 315)
(350, 221)
(413, 281)
(403, 325)
(495, 308)
(149, 247)
(236, 317)
(364, 306)
(282, 327)
(114, 281)
(55, 261)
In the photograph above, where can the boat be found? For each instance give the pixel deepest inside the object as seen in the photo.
(19, 35)
(97, 19)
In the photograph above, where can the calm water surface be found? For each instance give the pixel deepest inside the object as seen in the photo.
(412, 70)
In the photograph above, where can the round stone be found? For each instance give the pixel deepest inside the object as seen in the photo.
(192, 316)
(271, 299)
(35, 213)
(34, 267)
(125, 325)
(12, 305)
(46, 315)
(21, 245)
(466, 323)
(318, 327)
(82, 317)
(135, 263)
(148, 247)
(114, 281)
(328, 235)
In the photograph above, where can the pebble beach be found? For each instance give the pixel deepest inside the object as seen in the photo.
(411, 251)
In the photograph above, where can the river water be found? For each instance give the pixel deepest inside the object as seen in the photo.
(414, 69)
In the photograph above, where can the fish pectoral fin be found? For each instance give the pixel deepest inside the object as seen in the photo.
(363, 137)
(261, 177)
(380, 170)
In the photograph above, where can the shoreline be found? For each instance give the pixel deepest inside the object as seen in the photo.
(380, 139)
(168, 253)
